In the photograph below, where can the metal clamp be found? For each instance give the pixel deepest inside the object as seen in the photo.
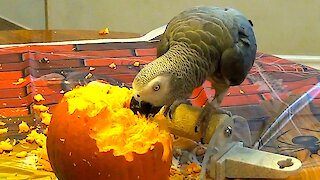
(228, 158)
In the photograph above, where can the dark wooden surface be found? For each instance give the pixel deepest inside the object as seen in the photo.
(36, 36)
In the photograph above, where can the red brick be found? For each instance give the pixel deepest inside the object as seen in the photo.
(196, 92)
(106, 53)
(16, 49)
(316, 101)
(13, 66)
(14, 112)
(46, 83)
(199, 97)
(206, 84)
(146, 59)
(51, 56)
(51, 106)
(38, 73)
(304, 89)
(12, 92)
(234, 91)
(27, 70)
(277, 68)
(209, 92)
(241, 100)
(273, 59)
(283, 68)
(9, 58)
(316, 90)
(4, 84)
(45, 90)
(107, 61)
(253, 70)
(123, 70)
(245, 90)
(124, 78)
(118, 61)
(268, 96)
(146, 52)
(245, 82)
(54, 48)
(55, 76)
(251, 89)
(116, 45)
(227, 101)
(66, 63)
(11, 75)
(51, 98)
(16, 102)
(298, 84)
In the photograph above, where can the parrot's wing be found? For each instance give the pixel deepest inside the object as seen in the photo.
(163, 46)
(237, 60)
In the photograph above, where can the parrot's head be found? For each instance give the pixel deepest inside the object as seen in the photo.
(154, 86)
(156, 92)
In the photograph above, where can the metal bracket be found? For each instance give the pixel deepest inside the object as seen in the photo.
(228, 158)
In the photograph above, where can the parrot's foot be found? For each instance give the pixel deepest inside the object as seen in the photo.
(169, 110)
(205, 117)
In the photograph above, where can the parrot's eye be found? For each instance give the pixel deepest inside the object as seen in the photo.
(156, 87)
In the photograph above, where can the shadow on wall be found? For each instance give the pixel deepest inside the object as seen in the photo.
(7, 25)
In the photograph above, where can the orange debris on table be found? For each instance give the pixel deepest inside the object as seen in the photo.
(3, 130)
(193, 168)
(40, 107)
(104, 31)
(23, 127)
(136, 64)
(2, 123)
(21, 154)
(88, 76)
(46, 118)
(113, 66)
(6, 145)
(20, 81)
(38, 97)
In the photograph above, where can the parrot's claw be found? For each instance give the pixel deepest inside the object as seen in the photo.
(222, 111)
(169, 110)
(203, 120)
(205, 117)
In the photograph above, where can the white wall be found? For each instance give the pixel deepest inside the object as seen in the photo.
(281, 26)
(27, 13)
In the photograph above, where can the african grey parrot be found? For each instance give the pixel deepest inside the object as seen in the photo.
(202, 43)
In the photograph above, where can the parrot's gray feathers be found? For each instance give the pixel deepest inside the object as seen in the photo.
(202, 43)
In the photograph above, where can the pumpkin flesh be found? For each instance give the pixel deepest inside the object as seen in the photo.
(94, 135)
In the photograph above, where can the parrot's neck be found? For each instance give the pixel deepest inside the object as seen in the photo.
(187, 64)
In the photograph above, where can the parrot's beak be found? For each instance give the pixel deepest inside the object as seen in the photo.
(143, 107)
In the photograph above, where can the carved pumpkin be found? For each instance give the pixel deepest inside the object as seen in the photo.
(94, 135)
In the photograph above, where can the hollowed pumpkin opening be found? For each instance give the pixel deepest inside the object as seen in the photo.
(94, 135)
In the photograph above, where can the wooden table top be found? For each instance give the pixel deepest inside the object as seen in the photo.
(38, 36)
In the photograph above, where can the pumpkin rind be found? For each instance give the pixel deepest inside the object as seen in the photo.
(74, 154)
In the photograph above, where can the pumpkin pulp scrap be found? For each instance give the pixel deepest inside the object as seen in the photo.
(114, 126)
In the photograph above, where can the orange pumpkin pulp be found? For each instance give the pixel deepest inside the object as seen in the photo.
(94, 135)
